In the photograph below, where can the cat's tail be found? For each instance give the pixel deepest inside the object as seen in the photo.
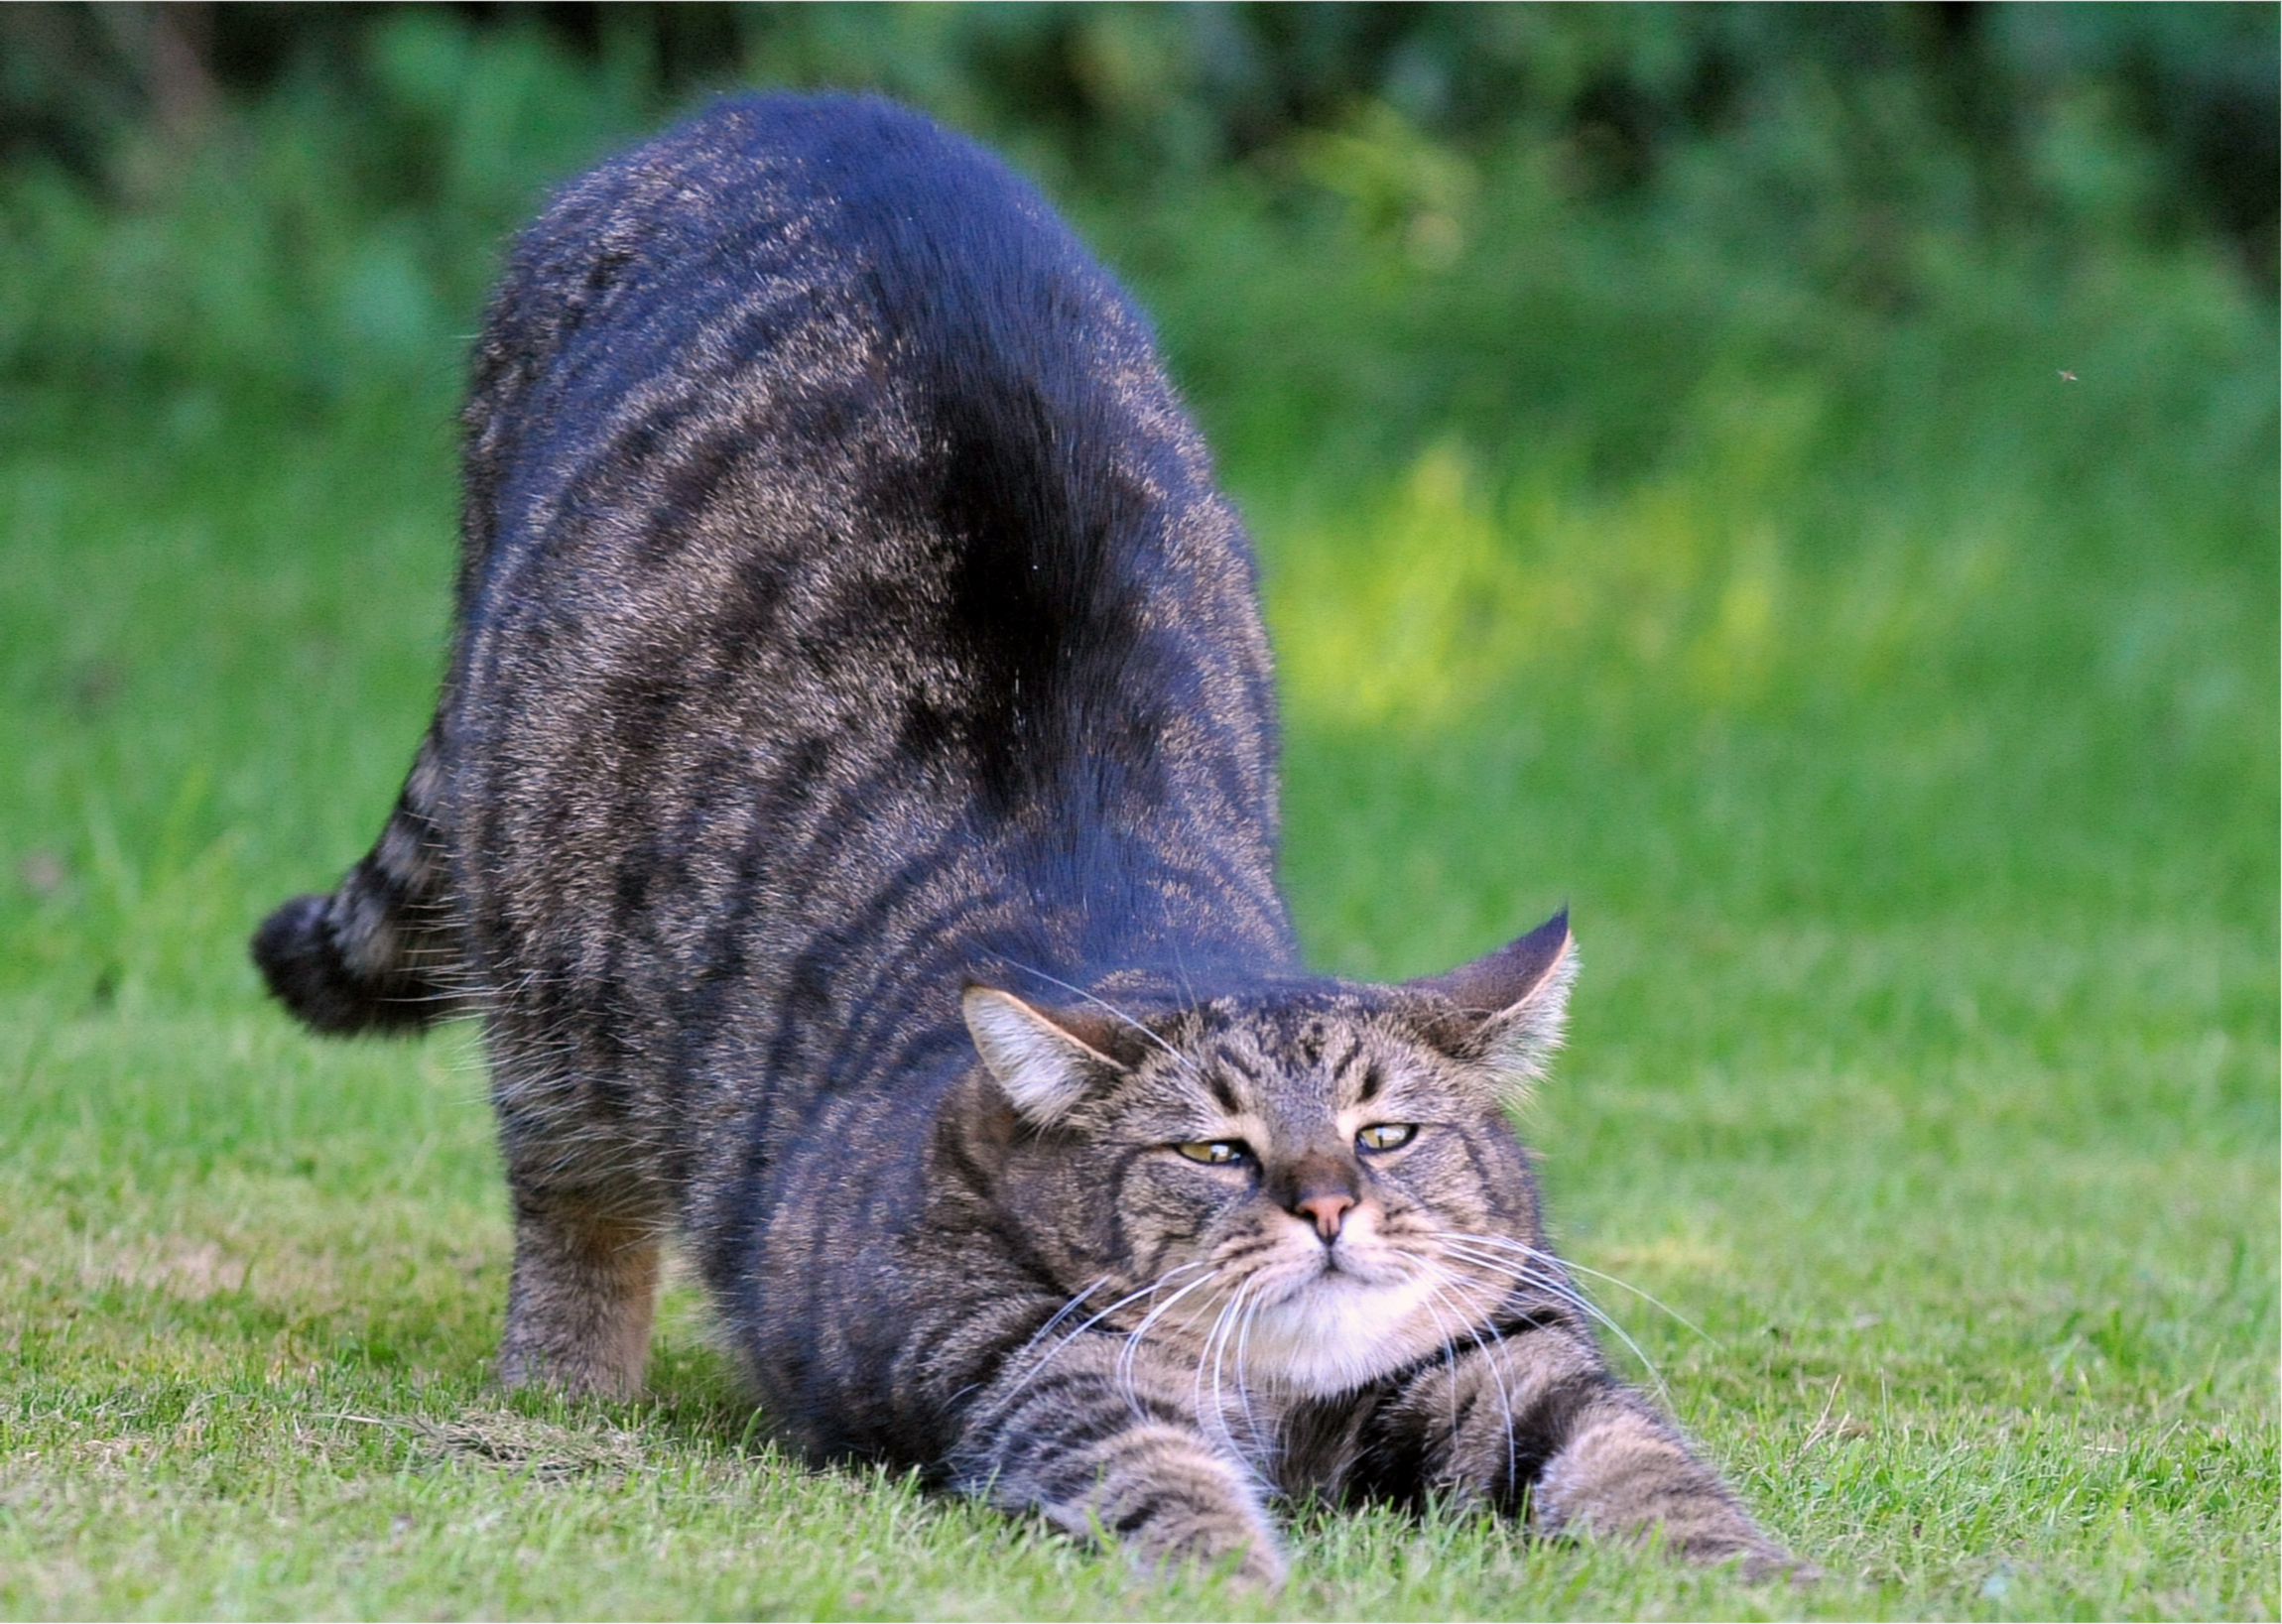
(381, 953)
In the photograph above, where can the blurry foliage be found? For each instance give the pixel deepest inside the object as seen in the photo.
(317, 194)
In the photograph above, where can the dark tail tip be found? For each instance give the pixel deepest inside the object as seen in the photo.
(303, 964)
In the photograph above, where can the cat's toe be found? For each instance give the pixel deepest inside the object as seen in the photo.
(1763, 1565)
(1263, 1569)
(1253, 1563)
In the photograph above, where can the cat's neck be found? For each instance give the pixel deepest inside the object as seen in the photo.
(1125, 897)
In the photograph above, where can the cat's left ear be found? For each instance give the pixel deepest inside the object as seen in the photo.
(1043, 1061)
(1511, 1004)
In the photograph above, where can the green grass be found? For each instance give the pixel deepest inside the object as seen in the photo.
(1897, 718)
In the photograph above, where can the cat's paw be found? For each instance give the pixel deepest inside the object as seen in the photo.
(1250, 1560)
(1768, 1564)
(1754, 1560)
(1264, 1568)
(1200, 1524)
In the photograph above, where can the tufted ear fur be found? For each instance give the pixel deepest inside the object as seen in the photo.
(1512, 1003)
(1042, 1060)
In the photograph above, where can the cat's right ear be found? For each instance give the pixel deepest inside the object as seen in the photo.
(1042, 1063)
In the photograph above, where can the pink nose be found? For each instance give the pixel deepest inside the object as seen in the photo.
(1327, 1211)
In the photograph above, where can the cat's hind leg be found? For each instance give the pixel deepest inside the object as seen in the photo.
(581, 1297)
(589, 1220)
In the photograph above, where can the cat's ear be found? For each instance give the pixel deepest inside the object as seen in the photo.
(1043, 1061)
(1511, 1004)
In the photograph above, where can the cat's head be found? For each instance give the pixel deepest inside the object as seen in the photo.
(1308, 1184)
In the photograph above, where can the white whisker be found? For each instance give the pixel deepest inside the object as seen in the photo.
(1449, 1346)
(1505, 1398)
(1531, 1271)
(1051, 1354)
(1127, 1354)
(1064, 1311)
(1623, 1284)
(1215, 1354)
(1179, 1059)
(1243, 1363)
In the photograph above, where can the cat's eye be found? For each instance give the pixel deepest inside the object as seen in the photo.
(1218, 1152)
(1387, 1136)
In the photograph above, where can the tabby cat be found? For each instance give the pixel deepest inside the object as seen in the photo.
(851, 809)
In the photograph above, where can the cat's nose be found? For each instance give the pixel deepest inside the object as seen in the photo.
(1326, 1212)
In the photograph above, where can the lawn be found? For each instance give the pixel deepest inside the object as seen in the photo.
(1896, 714)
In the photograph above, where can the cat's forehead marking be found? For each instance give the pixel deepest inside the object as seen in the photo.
(1332, 1059)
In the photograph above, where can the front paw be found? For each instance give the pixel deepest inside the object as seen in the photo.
(1254, 1565)
(1767, 1563)
(1159, 1494)
(1174, 1538)
(1753, 1557)
(1642, 1484)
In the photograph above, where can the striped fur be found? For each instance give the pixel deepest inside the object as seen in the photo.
(380, 954)
(852, 808)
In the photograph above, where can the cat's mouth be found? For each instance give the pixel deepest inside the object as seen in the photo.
(1369, 1265)
(1359, 1257)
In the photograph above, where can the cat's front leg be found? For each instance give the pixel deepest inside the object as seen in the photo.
(1105, 1441)
(1532, 1416)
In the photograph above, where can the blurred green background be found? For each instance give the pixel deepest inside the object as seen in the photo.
(1798, 483)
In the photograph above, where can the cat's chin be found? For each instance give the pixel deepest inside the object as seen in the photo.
(1339, 1331)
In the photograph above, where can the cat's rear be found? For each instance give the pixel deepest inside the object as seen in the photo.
(863, 342)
